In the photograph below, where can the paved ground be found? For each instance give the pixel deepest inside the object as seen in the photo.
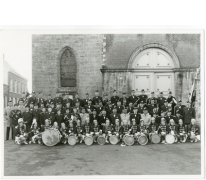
(160, 159)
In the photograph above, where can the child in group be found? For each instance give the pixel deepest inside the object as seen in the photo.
(134, 129)
(142, 128)
(64, 133)
(79, 131)
(95, 130)
(117, 129)
(55, 126)
(107, 130)
(72, 129)
(153, 127)
(173, 129)
(86, 129)
(125, 131)
(47, 125)
(163, 130)
(34, 134)
(20, 133)
(181, 131)
(194, 130)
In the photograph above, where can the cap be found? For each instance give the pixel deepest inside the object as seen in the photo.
(152, 92)
(20, 120)
(114, 91)
(142, 90)
(180, 100)
(33, 92)
(170, 92)
(161, 92)
(87, 94)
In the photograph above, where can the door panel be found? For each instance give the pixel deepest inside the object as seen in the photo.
(163, 83)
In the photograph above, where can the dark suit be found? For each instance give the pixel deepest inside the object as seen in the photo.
(120, 109)
(180, 108)
(130, 110)
(48, 102)
(113, 117)
(122, 99)
(102, 119)
(109, 110)
(31, 99)
(96, 99)
(58, 100)
(85, 102)
(42, 118)
(137, 118)
(40, 101)
(92, 117)
(114, 100)
(27, 117)
(36, 113)
(164, 108)
(58, 119)
(188, 115)
(77, 100)
(133, 99)
(142, 98)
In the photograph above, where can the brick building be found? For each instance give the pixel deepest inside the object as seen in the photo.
(83, 63)
(14, 84)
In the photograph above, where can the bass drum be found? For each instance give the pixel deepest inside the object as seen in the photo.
(101, 140)
(113, 139)
(155, 138)
(72, 140)
(88, 140)
(170, 139)
(142, 139)
(51, 137)
(128, 139)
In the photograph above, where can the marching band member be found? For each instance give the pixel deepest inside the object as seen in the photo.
(114, 116)
(152, 98)
(114, 98)
(79, 131)
(169, 116)
(66, 117)
(179, 107)
(21, 106)
(141, 107)
(130, 109)
(95, 130)
(15, 115)
(163, 130)
(172, 128)
(42, 117)
(32, 99)
(153, 127)
(143, 97)
(194, 130)
(135, 115)
(181, 131)
(46, 126)
(102, 118)
(160, 101)
(55, 125)
(107, 130)
(50, 115)
(117, 129)
(146, 117)
(120, 108)
(171, 100)
(99, 108)
(134, 129)
(49, 100)
(96, 98)
(64, 132)
(27, 118)
(133, 99)
(89, 107)
(125, 116)
(84, 116)
(35, 135)
(109, 108)
(75, 114)
(105, 100)
(142, 128)
(36, 114)
(159, 118)
(72, 129)
(86, 129)
(58, 117)
(178, 116)
(20, 133)
(124, 100)
(124, 130)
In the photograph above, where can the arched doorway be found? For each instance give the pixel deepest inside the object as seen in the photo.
(153, 71)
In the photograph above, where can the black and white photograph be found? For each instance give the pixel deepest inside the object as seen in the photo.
(84, 103)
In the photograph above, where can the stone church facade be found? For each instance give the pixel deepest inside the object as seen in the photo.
(85, 63)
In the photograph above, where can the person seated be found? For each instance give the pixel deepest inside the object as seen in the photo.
(20, 133)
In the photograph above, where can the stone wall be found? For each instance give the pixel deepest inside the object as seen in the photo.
(46, 53)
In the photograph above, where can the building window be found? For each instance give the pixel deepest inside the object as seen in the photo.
(15, 86)
(68, 69)
(11, 85)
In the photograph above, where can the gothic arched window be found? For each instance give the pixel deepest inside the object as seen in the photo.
(68, 69)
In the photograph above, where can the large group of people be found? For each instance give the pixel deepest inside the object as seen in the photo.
(100, 116)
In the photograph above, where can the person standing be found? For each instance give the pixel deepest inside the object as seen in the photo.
(32, 99)
(96, 98)
(160, 101)
(146, 117)
(40, 100)
(15, 115)
(21, 107)
(7, 112)
(188, 114)
(179, 107)
(172, 101)
(114, 98)
(27, 118)
(133, 98)
(143, 97)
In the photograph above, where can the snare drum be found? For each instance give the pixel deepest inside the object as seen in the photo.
(72, 140)
(113, 139)
(142, 139)
(51, 137)
(101, 140)
(128, 139)
(155, 138)
(88, 140)
(170, 139)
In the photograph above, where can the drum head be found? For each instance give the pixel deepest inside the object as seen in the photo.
(101, 140)
(170, 139)
(113, 139)
(129, 140)
(72, 140)
(50, 137)
(156, 138)
(88, 140)
(143, 140)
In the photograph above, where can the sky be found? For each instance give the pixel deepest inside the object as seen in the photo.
(17, 50)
